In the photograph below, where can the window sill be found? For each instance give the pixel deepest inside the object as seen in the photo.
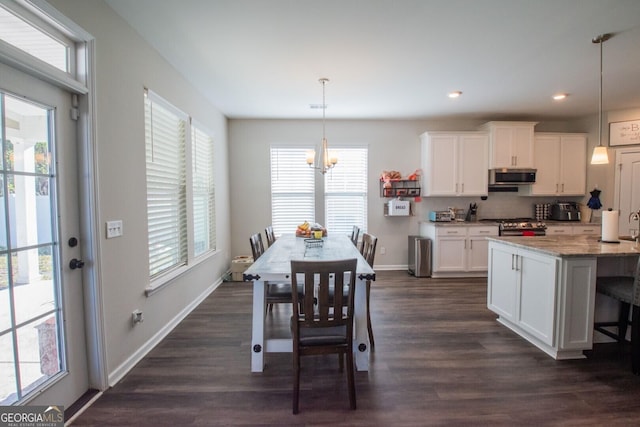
(166, 279)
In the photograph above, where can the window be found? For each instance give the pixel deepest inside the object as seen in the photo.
(345, 195)
(292, 189)
(180, 189)
(204, 223)
(27, 37)
(165, 135)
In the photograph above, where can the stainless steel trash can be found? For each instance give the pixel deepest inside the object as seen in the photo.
(419, 263)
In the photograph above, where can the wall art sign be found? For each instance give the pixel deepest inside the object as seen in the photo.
(624, 133)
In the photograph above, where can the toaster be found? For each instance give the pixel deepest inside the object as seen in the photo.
(565, 211)
(440, 216)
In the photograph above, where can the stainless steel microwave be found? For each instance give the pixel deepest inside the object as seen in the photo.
(512, 176)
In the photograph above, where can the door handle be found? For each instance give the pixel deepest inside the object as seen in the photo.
(76, 263)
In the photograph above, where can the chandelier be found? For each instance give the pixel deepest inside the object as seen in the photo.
(327, 160)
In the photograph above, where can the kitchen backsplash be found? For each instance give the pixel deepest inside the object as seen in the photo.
(497, 205)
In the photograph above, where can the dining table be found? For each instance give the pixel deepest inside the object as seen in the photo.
(274, 266)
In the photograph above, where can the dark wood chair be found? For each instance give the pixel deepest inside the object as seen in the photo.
(368, 251)
(355, 232)
(626, 290)
(271, 237)
(276, 293)
(322, 324)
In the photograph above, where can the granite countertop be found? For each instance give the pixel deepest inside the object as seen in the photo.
(571, 246)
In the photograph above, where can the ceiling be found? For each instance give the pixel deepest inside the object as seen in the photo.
(398, 59)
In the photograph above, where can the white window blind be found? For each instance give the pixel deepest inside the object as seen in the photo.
(204, 224)
(165, 140)
(346, 191)
(292, 189)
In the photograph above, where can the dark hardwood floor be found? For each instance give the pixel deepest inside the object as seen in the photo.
(441, 359)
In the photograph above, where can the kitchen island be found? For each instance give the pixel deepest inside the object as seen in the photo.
(543, 288)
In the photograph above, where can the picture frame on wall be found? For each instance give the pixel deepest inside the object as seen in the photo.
(624, 133)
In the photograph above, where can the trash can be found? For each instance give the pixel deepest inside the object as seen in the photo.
(419, 263)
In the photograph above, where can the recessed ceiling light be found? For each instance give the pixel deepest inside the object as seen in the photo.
(455, 94)
(560, 96)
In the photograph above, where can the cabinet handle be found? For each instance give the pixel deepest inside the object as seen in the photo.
(470, 244)
(512, 255)
(563, 187)
(515, 160)
(465, 244)
(560, 231)
(456, 187)
(556, 187)
(462, 190)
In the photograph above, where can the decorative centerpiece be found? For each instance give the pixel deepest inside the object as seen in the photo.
(307, 229)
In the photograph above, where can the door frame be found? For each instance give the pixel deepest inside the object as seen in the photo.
(84, 87)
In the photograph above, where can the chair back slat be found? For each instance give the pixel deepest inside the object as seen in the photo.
(355, 232)
(271, 237)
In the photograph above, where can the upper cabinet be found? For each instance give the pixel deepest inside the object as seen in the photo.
(560, 160)
(510, 144)
(455, 163)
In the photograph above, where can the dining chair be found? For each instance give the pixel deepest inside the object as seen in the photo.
(276, 293)
(368, 251)
(321, 324)
(271, 237)
(355, 232)
(626, 290)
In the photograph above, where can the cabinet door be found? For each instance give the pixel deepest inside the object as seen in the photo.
(449, 254)
(502, 289)
(523, 146)
(474, 164)
(478, 253)
(546, 151)
(572, 168)
(536, 309)
(439, 154)
(502, 148)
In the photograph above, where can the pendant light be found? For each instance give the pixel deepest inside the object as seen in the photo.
(600, 156)
(328, 161)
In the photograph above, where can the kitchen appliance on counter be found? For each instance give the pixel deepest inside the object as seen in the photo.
(519, 227)
(565, 211)
(441, 216)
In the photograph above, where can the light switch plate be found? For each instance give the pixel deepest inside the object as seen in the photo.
(114, 229)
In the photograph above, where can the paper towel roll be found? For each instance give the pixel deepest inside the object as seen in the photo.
(610, 226)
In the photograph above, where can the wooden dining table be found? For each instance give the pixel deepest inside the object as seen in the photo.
(275, 266)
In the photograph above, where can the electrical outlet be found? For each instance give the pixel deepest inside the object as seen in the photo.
(383, 250)
(137, 317)
(114, 229)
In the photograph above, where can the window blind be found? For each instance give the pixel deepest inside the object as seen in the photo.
(346, 191)
(165, 141)
(292, 189)
(204, 224)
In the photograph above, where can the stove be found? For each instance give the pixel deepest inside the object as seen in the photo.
(519, 227)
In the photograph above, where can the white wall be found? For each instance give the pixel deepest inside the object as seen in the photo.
(393, 144)
(126, 64)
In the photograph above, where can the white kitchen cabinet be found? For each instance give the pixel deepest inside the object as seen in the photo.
(510, 144)
(589, 230)
(459, 250)
(455, 163)
(561, 163)
(522, 290)
(556, 230)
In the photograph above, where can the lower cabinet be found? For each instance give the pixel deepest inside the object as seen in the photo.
(522, 290)
(459, 250)
(545, 299)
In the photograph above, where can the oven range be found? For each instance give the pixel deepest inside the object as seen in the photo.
(519, 226)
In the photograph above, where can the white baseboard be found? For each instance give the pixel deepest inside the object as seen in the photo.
(127, 365)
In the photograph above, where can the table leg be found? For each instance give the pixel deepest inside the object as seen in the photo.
(257, 337)
(361, 335)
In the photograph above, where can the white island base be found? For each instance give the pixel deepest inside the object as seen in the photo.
(543, 288)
